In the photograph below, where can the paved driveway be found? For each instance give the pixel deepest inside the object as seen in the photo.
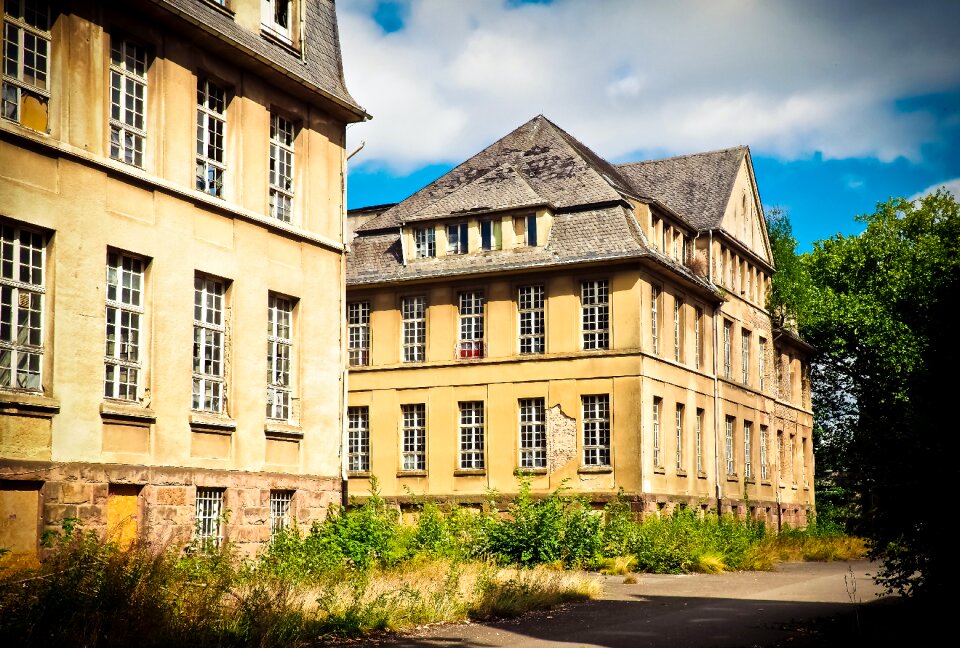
(739, 609)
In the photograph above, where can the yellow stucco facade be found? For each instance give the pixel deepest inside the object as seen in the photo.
(185, 283)
(693, 399)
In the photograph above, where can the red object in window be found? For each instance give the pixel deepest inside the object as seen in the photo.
(471, 350)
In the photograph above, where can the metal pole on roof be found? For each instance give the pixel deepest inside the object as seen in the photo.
(357, 150)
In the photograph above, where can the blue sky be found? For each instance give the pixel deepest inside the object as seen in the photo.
(843, 104)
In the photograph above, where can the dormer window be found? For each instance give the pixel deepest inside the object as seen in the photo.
(532, 230)
(425, 244)
(525, 228)
(457, 238)
(277, 18)
(490, 235)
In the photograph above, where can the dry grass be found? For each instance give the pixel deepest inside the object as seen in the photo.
(817, 549)
(709, 563)
(618, 565)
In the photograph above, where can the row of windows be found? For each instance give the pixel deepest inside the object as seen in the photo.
(531, 426)
(595, 435)
(22, 308)
(26, 55)
(458, 236)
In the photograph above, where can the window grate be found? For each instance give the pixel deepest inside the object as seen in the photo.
(280, 507)
(209, 521)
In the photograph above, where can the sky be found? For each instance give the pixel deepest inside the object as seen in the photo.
(843, 104)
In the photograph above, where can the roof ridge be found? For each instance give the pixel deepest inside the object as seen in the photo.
(739, 147)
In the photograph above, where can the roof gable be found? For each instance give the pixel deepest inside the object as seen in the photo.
(556, 167)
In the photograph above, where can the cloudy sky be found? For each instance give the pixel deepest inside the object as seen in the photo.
(843, 104)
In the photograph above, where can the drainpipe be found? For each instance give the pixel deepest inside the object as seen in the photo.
(344, 498)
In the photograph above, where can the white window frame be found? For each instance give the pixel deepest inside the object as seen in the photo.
(458, 238)
(211, 137)
(358, 334)
(747, 449)
(280, 357)
(413, 437)
(699, 440)
(764, 459)
(762, 361)
(698, 341)
(655, 292)
(128, 101)
(533, 433)
(281, 502)
(471, 435)
(490, 234)
(470, 310)
(596, 429)
(209, 516)
(679, 421)
(728, 442)
(595, 314)
(745, 356)
(283, 133)
(677, 328)
(22, 285)
(424, 242)
(413, 313)
(125, 315)
(273, 14)
(727, 332)
(28, 70)
(209, 345)
(657, 453)
(530, 306)
(358, 439)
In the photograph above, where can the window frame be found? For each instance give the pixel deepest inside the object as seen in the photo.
(117, 388)
(492, 238)
(655, 430)
(595, 427)
(413, 437)
(748, 450)
(533, 433)
(471, 316)
(678, 305)
(269, 23)
(281, 506)
(595, 314)
(531, 319)
(413, 328)
(745, 340)
(23, 281)
(700, 413)
(280, 357)
(471, 431)
(424, 242)
(281, 167)
(209, 516)
(679, 414)
(211, 136)
(727, 352)
(656, 293)
(729, 440)
(17, 84)
(358, 439)
(458, 238)
(217, 331)
(128, 140)
(764, 458)
(358, 334)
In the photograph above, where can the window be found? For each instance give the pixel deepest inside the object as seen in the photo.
(533, 434)
(792, 450)
(654, 228)
(676, 236)
(276, 18)
(414, 455)
(594, 303)
(21, 307)
(471, 435)
(457, 239)
(789, 361)
(655, 317)
(281, 168)
(490, 235)
(414, 316)
(279, 356)
(747, 450)
(657, 459)
(698, 342)
(424, 242)
(731, 462)
(679, 436)
(26, 62)
(764, 461)
(745, 357)
(699, 440)
(778, 371)
(762, 360)
(803, 461)
(280, 501)
(209, 520)
(780, 458)
(209, 333)
(727, 326)
(211, 126)
(358, 439)
(530, 305)
(677, 329)
(358, 334)
(596, 430)
(471, 324)
(532, 231)
(124, 315)
(128, 101)
(746, 277)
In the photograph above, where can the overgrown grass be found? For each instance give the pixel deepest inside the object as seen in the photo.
(361, 570)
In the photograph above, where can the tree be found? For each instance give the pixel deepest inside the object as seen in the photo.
(878, 308)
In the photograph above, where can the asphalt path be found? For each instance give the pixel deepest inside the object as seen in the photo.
(796, 604)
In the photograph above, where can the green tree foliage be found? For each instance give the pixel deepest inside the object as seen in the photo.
(877, 306)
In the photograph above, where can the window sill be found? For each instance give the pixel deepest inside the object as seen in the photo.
(519, 472)
(732, 477)
(359, 474)
(28, 403)
(701, 474)
(750, 480)
(681, 473)
(283, 431)
(212, 423)
(277, 39)
(411, 473)
(469, 472)
(595, 469)
(129, 412)
(659, 470)
(764, 482)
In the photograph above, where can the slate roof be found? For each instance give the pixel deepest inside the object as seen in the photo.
(697, 187)
(320, 65)
(561, 171)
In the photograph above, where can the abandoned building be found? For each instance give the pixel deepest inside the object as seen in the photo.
(172, 240)
(593, 326)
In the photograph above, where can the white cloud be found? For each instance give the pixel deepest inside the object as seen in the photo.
(953, 186)
(787, 78)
